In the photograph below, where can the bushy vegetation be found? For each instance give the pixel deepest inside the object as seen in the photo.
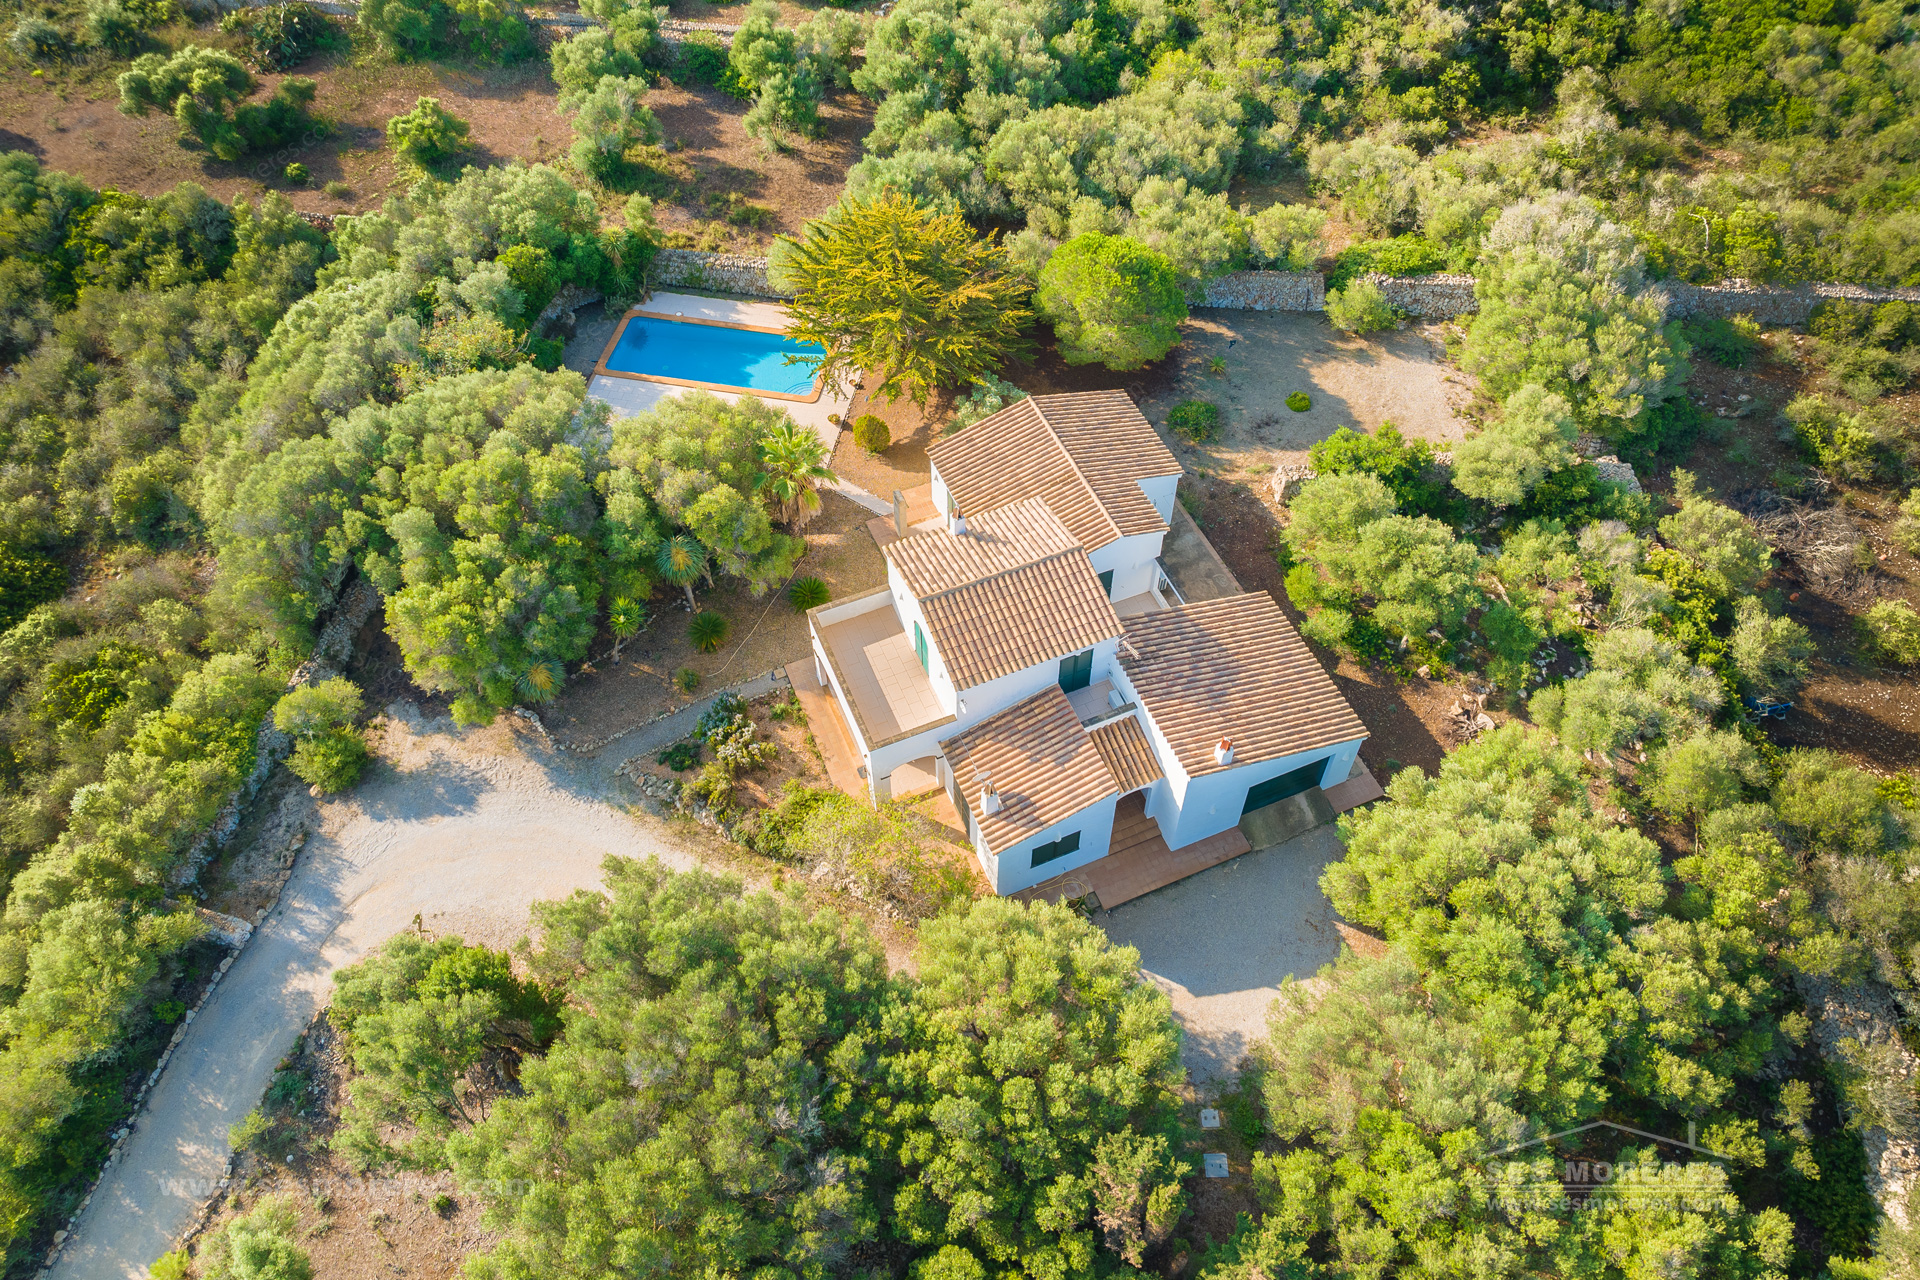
(916, 298)
(197, 384)
(427, 135)
(1111, 301)
(773, 1076)
(483, 30)
(205, 90)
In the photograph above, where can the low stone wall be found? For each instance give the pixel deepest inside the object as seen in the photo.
(719, 272)
(674, 30)
(1268, 291)
(1436, 297)
(1793, 304)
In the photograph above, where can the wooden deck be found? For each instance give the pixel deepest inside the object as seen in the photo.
(1138, 861)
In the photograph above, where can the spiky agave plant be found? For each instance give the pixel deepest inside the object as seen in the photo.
(708, 631)
(542, 680)
(808, 593)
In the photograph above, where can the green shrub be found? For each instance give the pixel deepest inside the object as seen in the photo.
(686, 679)
(1907, 527)
(1299, 402)
(1890, 632)
(1111, 301)
(205, 90)
(253, 1132)
(296, 174)
(112, 26)
(871, 434)
(808, 593)
(278, 36)
(338, 190)
(332, 762)
(1838, 443)
(1194, 420)
(173, 1265)
(680, 756)
(37, 40)
(1360, 308)
(707, 631)
(27, 581)
(1408, 255)
(428, 134)
(702, 59)
(1731, 343)
(1405, 466)
(480, 29)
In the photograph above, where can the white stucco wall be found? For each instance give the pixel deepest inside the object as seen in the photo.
(1211, 802)
(1188, 808)
(1013, 869)
(1131, 560)
(1159, 491)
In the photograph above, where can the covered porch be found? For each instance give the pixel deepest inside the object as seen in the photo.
(1141, 862)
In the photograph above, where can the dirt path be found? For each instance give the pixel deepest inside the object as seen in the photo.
(460, 829)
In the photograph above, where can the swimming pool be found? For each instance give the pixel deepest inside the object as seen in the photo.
(721, 357)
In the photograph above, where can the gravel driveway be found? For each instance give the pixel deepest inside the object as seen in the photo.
(463, 829)
(1219, 943)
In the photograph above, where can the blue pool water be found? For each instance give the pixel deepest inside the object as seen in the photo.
(711, 353)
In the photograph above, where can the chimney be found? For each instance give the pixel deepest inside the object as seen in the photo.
(959, 524)
(1223, 752)
(899, 514)
(989, 800)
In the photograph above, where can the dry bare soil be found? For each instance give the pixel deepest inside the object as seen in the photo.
(68, 118)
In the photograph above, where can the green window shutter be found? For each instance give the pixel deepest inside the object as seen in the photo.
(1054, 850)
(920, 645)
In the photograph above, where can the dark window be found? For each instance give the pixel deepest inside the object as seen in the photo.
(1106, 583)
(1287, 784)
(1054, 849)
(1076, 672)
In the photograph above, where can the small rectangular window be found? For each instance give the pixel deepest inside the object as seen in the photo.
(920, 645)
(1054, 850)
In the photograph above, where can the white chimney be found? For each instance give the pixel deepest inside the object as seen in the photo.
(1223, 752)
(959, 524)
(989, 800)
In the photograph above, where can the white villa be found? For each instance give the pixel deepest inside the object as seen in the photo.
(1030, 654)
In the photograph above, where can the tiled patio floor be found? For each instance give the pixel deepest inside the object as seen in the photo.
(883, 676)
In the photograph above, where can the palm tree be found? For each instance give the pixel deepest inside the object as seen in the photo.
(793, 461)
(625, 619)
(681, 560)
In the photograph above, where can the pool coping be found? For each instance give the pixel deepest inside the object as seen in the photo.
(600, 366)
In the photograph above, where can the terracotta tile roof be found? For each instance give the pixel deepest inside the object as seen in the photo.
(1015, 590)
(1123, 745)
(1085, 453)
(1233, 668)
(1043, 764)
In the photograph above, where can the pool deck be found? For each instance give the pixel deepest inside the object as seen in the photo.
(629, 396)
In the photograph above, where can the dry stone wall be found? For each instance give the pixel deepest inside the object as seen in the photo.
(719, 272)
(1268, 291)
(1434, 297)
(1792, 304)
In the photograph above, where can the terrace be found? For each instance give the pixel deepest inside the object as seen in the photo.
(875, 666)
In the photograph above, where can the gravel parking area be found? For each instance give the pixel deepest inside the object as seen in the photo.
(1220, 943)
